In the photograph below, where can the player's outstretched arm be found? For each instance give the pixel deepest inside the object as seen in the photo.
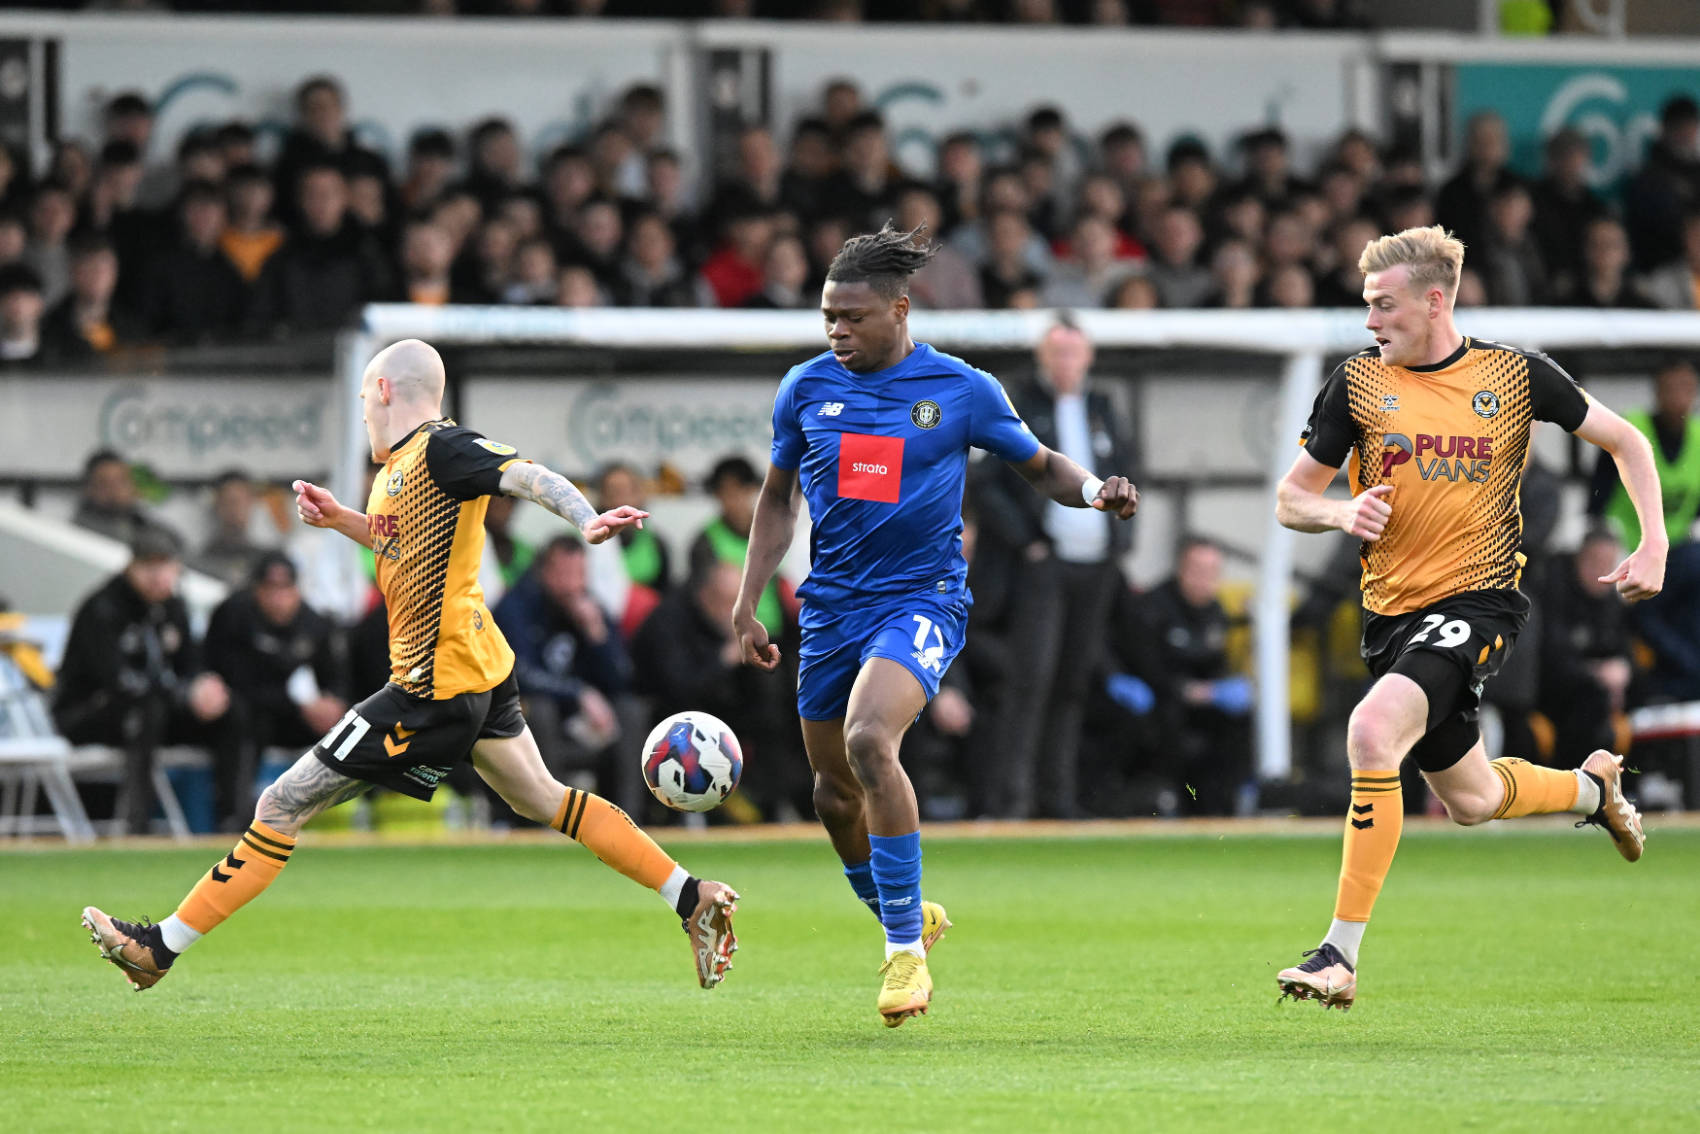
(1642, 574)
(1301, 505)
(531, 481)
(319, 509)
(771, 530)
(1057, 477)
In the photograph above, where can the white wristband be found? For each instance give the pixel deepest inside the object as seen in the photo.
(1089, 490)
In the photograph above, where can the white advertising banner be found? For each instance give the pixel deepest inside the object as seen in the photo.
(1214, 85)
(552, 81)
(577, 426)
(179, 427)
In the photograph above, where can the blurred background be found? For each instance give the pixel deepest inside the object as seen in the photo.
(614, 218)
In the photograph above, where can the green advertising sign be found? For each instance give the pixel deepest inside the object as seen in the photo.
(1616, 107)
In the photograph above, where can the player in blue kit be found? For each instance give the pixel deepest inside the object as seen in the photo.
(878, 429)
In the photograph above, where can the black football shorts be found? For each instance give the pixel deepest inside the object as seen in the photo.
(408, 744)
(1450, 649)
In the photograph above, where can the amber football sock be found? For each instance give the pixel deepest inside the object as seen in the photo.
(610, 835)
(1373, 824)
(258, 858)
(1533, 790)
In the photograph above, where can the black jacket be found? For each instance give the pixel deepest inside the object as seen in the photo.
(318, 283)
(256, 658)
(123, 649)
(1011, 513)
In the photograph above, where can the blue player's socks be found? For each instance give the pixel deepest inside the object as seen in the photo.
(861, 875)
(897, 872)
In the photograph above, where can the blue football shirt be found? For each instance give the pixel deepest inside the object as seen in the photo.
(883, 458)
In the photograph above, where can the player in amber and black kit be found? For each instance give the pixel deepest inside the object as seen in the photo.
(1436, 426)
(451, 687)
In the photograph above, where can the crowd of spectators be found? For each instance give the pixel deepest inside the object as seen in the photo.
(108, 248)
(1261, 14)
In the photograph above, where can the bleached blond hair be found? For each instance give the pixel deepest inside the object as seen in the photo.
(1435, 257)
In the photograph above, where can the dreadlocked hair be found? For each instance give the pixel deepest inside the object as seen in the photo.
(883, 260)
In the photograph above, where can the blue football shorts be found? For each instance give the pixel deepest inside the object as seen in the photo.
(922, 632)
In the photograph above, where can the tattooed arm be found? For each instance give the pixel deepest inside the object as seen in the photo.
(308, 788)
(530, 481)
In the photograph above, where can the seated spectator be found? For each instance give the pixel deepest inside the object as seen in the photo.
(1092, 272)
(734, 484)
(1174, 267)
(949, 281)
(1564, 203)
(14, 179)
(866, 186)
(1462, 204)
(484, 268)
(132, 678)
(611, 156)
(496, 163)
(597, 240)
(430, 168)
(1235, 276)
(1269, 175)
(109, 503)
(1343, 285)
(14, 238)
(1509, 257)
(651, 274)
(230, 553)
(685, 656)
(21, 308)
(194, 292)
(88, 322)
(1344, 192)
(1192, 175)
(283, 663)
(1102, 196)
(1203, 706)
(71, 166)
(1585, 666)
(236, 144)
(52, 216)
(578, 287)
(1289, 286)
(734, 271)
(568, 657)
(1006, 269)
(426, 256)
(369, 204)
(320, 138)
(642, 118)
(327, 270)
(536, 274)
(1666, 185)
(569, 181)
(754, 186)
(805, 187)
(785, 278)
(669, 196)
(1676, 286)
(1605, 279)
(250, 235)
(1136, 293)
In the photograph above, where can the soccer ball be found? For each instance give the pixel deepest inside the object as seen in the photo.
(692, 761)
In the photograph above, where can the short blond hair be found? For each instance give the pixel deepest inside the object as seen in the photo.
(1435, 257)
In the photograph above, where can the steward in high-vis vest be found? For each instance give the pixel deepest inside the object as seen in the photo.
(1675, 435)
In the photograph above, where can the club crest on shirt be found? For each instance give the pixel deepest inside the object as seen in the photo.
(925, 414)
(393, 486)
(1485, 403)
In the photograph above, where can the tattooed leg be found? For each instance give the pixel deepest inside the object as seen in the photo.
(302, 792)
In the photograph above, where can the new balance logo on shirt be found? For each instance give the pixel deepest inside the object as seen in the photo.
(830, 409)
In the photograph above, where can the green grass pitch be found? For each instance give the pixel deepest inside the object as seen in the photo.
(1512, 981)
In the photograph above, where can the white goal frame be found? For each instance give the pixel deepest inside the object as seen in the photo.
(1303, 338)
